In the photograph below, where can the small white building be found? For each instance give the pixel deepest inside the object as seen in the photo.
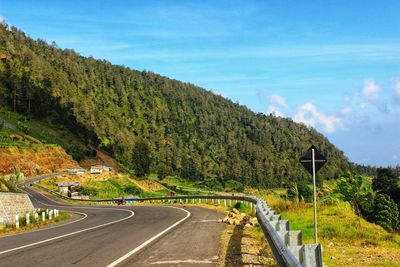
(65, 187)
(76, 171)
(97, 169)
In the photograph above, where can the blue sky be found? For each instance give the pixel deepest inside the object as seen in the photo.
(333, 65)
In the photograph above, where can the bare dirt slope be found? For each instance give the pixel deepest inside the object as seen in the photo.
(102, 158)
(35, 161)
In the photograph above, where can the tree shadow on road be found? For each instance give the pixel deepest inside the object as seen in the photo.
(233, 256)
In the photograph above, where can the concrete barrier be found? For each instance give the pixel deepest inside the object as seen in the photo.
(12, 204)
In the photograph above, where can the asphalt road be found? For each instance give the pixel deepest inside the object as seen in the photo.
(118, 236)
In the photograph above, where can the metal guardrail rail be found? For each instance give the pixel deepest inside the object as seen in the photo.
(287, 245)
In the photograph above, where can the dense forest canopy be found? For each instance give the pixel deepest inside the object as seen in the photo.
(190, 131)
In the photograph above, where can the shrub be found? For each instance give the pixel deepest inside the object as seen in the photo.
(133, 190)
(232, 185)
(299, 190)
(386, 213)
(88, 191)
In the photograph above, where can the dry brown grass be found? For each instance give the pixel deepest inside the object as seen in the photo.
(35, 161)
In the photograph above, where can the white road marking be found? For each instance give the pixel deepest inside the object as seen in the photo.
(56, 226)
(69, 234)
(127, 255)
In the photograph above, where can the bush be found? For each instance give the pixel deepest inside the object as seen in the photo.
(299, 190)
(133, 190)
(88, 191)
(212, 184)
(386, 213)
(232, 185)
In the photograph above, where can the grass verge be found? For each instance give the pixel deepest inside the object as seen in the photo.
(9, 230)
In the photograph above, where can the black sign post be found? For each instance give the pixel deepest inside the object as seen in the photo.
(312, 161)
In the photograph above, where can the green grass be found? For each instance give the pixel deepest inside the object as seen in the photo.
(348, 240)
(242, 207)
(182, 186)
(10, 229)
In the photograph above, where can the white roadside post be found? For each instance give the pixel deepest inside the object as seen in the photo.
(27, 218)
(17, 221)
(225, 202)
(43, 216)
(36, 216)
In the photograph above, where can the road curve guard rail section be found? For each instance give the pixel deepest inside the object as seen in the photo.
(287, 245)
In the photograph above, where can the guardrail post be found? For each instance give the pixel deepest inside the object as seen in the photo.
(27, 218)
(36, 216)
(192, 200)
(50, 214)
(43, 216)
(225, 202)
(213, 201)
(17, 221)
(219, 202)
(230, 202)
(200, 200)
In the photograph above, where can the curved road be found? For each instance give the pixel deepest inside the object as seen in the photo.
(117, 236)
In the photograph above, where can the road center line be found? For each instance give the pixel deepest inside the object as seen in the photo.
(127, 255)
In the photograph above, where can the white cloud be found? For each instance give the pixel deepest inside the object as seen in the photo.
(278, 100)
(310, 116)
(396, 91)
(346, 111)
(371, 89)
(276, 103)
(275, 111)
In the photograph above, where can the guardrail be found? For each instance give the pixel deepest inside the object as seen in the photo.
(287, 245)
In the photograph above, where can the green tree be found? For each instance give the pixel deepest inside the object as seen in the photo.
(352, 188)
(141, 158)
(385, 181)
(386, 213)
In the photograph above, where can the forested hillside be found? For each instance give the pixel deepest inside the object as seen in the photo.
(190, 132)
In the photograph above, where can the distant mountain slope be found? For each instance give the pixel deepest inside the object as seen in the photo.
(191, 132)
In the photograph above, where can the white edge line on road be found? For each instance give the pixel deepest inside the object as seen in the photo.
(130, 253)
(84, 216)
(69, 234)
